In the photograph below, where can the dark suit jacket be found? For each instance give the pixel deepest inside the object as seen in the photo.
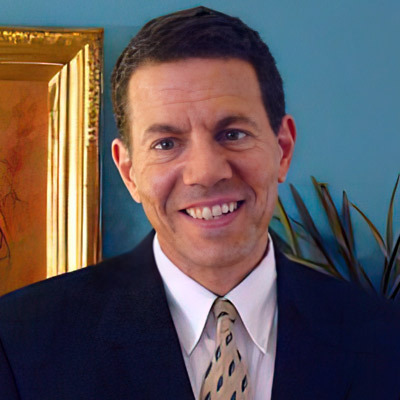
(105, 332)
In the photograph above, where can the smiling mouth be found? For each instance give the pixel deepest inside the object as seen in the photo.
(214, 212)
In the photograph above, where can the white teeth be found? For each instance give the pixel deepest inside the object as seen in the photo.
(207, 213)
(213, 212)
(216, 211)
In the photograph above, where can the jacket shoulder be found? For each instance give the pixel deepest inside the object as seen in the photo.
(337, 311)
(72, 289)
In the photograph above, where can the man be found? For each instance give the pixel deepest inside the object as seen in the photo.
(207, 308)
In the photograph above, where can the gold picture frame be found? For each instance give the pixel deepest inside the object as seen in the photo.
(68, 65)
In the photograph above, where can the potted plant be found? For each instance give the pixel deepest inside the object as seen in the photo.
(302, 241)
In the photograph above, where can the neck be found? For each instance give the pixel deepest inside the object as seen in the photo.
(222, 281)
(220, 277)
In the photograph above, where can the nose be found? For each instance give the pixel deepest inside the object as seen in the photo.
(206, 164)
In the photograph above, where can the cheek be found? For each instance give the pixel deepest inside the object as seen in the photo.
(155, 185)
(261, 174)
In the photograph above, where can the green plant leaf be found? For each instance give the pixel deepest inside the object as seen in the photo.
(374, 231)
(390, 266)
(364, 279)
(324, 268)
(312, 229)
(396, 285)
(348, 226)
(279, 241)
(395, 288)
(389, 220)
(332, 213)
(377, 236)
(338, 230)
(291, 234)
(301, 231)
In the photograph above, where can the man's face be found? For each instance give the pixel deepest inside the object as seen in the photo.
(205, 162)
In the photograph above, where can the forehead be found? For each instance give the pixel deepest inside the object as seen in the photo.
(197, 81)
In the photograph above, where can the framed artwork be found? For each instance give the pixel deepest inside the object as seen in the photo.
(50, 92)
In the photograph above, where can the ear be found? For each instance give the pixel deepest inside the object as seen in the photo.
(123, 162)
(286, 140)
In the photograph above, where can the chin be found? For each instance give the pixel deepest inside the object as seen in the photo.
(217, 257)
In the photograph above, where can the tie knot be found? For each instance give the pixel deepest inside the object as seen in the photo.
(224, 310)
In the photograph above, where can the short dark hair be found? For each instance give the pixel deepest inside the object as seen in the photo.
(197, 33)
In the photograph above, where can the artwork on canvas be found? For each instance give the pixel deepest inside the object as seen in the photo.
(23, 183)
(50, 91)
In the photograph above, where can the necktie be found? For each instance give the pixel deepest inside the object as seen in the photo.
(226, 376)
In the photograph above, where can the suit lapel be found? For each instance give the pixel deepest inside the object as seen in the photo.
(310, 359)
(137, 331)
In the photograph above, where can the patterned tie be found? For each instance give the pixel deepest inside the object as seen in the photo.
(226, 376)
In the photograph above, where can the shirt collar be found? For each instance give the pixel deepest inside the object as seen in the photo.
(255, 299)
(190, 303)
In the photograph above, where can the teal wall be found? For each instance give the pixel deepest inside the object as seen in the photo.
(340, 61)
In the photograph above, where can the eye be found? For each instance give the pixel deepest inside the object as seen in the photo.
(164, 144)
(234, 134)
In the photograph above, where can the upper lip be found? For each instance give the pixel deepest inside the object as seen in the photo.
(212, 202)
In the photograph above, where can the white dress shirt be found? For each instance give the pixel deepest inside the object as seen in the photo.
(256, 329)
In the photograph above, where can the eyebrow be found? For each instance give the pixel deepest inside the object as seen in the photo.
(221, 124)
(162, 128)
(233, 119)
